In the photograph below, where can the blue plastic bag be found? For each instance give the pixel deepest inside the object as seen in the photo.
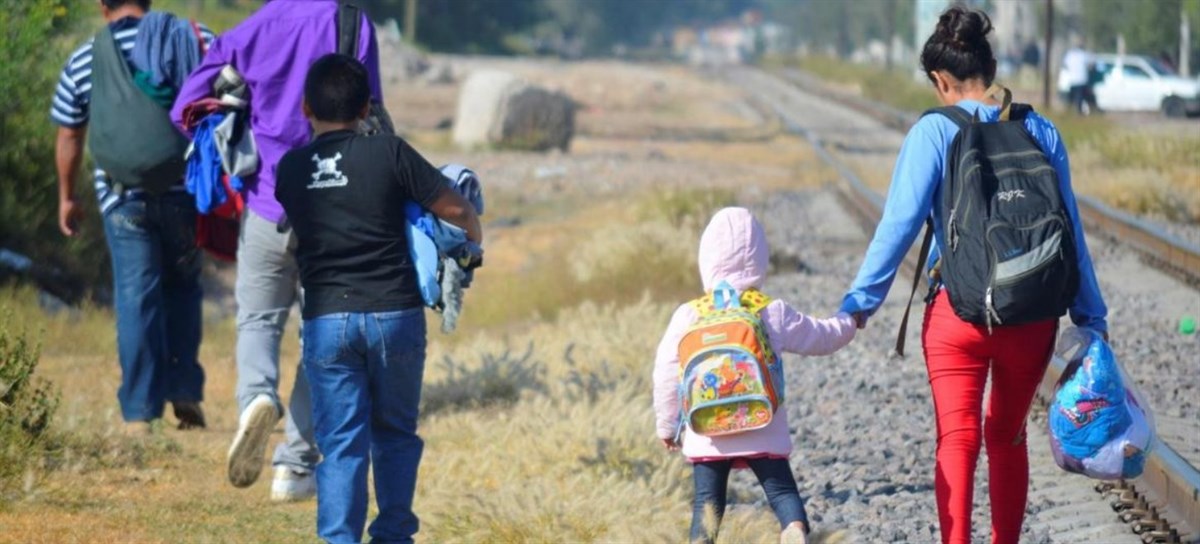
(1098, 424)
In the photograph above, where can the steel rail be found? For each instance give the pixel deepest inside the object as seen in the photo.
(1162, 505)
(1164, 250)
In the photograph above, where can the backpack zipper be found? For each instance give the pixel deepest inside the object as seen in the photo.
(989, 309)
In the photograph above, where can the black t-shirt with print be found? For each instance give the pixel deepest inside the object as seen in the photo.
(344, 195)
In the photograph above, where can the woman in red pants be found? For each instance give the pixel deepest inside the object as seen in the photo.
(960, 354)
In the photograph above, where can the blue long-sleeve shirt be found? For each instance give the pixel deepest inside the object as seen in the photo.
(916, 185)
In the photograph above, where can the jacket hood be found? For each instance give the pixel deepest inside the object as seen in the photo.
(733, 248)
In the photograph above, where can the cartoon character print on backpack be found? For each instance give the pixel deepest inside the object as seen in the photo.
(731, 379)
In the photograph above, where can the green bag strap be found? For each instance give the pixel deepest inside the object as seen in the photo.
(113, 68)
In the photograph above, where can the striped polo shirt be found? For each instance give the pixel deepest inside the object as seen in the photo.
(70, 105)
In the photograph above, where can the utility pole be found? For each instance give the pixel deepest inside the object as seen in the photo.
(410, 21)
(1047, 55)
(891, 32)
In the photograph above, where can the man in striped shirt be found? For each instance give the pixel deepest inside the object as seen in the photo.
(151, 239)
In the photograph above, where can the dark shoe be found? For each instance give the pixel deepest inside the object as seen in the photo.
(190, 415)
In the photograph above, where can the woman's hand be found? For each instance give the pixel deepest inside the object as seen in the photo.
(670, 444)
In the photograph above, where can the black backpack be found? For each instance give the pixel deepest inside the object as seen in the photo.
(1009, 254)
(349, 20)
(132, 138)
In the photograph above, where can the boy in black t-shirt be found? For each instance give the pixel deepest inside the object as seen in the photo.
(364, 320)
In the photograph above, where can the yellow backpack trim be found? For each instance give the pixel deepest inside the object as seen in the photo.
(752, 300)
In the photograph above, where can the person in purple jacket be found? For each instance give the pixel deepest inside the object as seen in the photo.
(273, 50)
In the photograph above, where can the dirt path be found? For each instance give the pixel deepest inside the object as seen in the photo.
(173, 488)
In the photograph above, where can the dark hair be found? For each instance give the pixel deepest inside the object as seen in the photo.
(336, 88)
(959, 45)
(114, 4)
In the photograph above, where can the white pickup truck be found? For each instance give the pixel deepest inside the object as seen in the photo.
(1139, 83)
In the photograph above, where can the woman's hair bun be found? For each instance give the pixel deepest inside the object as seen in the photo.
(964, 28)
(959, 45)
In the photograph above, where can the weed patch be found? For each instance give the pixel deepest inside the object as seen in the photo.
(27, 405)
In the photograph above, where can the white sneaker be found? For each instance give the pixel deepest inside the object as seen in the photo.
(250, 444)
(292, 486)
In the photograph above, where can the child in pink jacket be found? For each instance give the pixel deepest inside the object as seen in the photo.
(734, 249)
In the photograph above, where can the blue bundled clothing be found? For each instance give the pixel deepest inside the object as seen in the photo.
(916, 185)
(441, 254)
(166, 48)
(1089, 409)
(1098, 426)
(204, 170)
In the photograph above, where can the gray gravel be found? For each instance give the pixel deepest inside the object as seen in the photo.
(1145, 306)
(863, 423)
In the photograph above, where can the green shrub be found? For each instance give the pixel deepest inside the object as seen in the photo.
(37, 38)
(27, 405)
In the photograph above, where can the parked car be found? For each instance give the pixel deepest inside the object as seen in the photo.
(1140, 83)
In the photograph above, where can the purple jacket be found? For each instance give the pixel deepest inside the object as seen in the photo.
(273, 50)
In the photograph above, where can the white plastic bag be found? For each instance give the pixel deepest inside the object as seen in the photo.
(1099, 423)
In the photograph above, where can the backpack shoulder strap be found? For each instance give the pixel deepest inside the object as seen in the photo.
(349, 19)
(754, 301)
(199, 37)
(105, 51)
(956, 114)
(902, 337)
(703, 305)
(1019, 112)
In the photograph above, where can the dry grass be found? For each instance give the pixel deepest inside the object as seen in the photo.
(536, 413)
(538, 424)
(1130, 169)
(574, 458)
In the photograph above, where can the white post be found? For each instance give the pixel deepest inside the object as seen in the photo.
(1185, 41)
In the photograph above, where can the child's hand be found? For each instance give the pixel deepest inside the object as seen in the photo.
(670, 444)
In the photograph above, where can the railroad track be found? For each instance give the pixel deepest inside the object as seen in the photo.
(1163, 250)
(1161, 506)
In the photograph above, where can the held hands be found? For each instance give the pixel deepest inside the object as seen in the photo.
(860, 319)
(69, 214)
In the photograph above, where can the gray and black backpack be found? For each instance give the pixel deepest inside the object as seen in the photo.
(1009, 254)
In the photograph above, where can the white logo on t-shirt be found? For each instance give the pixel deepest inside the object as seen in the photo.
(327, 174)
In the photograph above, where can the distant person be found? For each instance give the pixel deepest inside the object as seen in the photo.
(1043, 265)
(120, 84)
(1078, 67)
(364, 316)
(1164, 58)
(734, 255)
(272, 49)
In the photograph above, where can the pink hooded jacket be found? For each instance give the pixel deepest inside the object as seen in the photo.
(734, 248)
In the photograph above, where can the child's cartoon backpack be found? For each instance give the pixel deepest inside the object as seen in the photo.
(731, 379)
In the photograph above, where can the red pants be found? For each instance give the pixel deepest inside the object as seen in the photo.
(958, 356)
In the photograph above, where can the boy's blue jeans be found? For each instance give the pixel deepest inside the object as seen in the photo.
(365, 371)
(156, 287)
(712, 479)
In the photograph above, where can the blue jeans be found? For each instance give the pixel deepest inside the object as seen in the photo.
(365, 372)
(712, 479)
(156, 284)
